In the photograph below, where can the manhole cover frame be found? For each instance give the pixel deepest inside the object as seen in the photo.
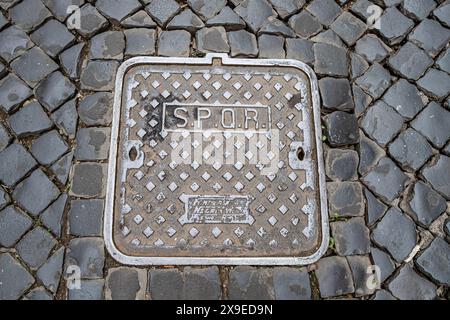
(108, 226)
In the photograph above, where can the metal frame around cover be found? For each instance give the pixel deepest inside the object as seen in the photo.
(110, 191)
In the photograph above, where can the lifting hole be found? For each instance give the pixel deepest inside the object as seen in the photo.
(132, 154)
(300, 154)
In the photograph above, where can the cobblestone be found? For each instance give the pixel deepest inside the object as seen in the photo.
(66, 118)
(351, 237)
(52, 37)
(30, 119)
(250, 283)
(271, 46)
(48, 148)
(386, 179)
(191, 284)
(140, 41)
(13, 43)
(291, 284)
(410, 149)
(17, 157)
(13, 225)
(13, 92)
(330, 60)
(50, 272)
(52, 216)
(92, 144)
(174, 43)
(300, 49)
(126, 284)
(342, 128)
(437, 175)
(345, 199)
(384, 262)
(86, 218)
(35, 247)
(14, 279)
(408, 285)
(96, 109)
(396, 233)
(89, 290)
(341, 164)
(334, 277)
(186, 20)
(242, 43)
(88, 180)
(88, 254)
(70, 60)
(336, 94)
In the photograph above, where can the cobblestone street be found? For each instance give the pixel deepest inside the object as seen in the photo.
(385, 111)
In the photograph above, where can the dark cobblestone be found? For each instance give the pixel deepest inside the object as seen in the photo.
(88, 180)
(410, 61)
(17, 157)
(405, 99)
(13, 43)
(410, 149)
(174, 43)
(50, 272)
(382, 123)
(291, 284)
(35, 247)
(384, 262)
(396, 233)
(162, 10)
(49, 147)
(386, 180)
(334, 277)
(13, 92)
(345, 199)
(30, 119)
(86, 218)
(431, 122)
(250, 283)
(341, 164)
(126, 284)
(408, 285)
(13, 225)
(300, 49)
(99, 75)
(191, 284)
(351, 237)
(140, 42)
(92, 144)
(336, 94)
(243, 44)
(437, 174)
(271, 46)
(342, 128)
(14, 279)
(88, 254)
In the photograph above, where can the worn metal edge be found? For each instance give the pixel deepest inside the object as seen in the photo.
(110, 191)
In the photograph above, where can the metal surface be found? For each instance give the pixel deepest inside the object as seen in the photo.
(216, 161)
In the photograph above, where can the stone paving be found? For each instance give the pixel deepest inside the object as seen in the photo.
(386, 118)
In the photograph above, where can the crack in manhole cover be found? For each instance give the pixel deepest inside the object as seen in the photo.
(216, 161)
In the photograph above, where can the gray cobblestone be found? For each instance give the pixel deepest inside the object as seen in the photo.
(212, 39)
(13, 43)
(30, 119)
(52, 216)
(396, 233)
(35, 247)
(88, 180)
(126, 284)
(17, 157)
(351, 237)
(13, 92)
(291, 284)
(436, 173)
(174, 43)
(251, 283)
(88, 254)
(89, 290)
(52, 37)
(96, 109)
(92, 143)
(386, 180)
(345, 199)
(86, 218)
(13, 225)
(50, 272)
(49, 147)
(186, 20)
(66, 118)
(162, 10)
(334, 277)
(243, 44)
(408, 285)
(341, 164)
(14, 279)
(271, 46)
(33, 66)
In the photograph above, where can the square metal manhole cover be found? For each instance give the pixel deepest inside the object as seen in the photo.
(216, 161)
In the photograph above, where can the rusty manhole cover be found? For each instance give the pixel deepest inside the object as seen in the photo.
(216, 161)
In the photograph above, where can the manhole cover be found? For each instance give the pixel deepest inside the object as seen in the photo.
(216, 161)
